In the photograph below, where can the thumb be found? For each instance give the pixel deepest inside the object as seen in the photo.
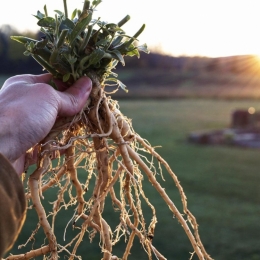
(74, 98)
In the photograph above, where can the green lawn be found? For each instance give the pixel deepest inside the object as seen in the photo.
(221, 182)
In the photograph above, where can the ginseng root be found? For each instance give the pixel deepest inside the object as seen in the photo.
(101, 142)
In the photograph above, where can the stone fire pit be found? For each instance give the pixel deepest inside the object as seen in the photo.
(244, 131)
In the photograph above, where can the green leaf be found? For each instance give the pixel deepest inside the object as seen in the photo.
(117, 55)
(67, 24)
(45, 10)
(48, 22)
(86, 38)
(66, 77)
(31, 45)
(71, 60)
(44, 53)
(102, 42)
(136, 35)
(46, 66)
(143, 48)
(96, 2)
(47, 34)
(22, 39)
(62, 38)
(73, 15)
(59, 13)
(79, 28)
(114, 28)
(117, 41)
(132, 51)
(27, 53)
(96, 56)
(53, 57)
(39, 15)
(124, 20)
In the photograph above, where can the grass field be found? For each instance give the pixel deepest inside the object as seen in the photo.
(221, 182)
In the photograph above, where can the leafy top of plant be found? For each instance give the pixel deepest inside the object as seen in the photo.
(81, 45)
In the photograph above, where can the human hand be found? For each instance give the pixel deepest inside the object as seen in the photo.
(29, 107)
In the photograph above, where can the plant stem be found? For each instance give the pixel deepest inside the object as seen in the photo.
(65, 8)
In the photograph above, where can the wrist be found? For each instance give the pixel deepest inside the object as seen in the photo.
(7, 150)
(6, 142)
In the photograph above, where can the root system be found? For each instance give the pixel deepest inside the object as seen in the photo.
(99, 156)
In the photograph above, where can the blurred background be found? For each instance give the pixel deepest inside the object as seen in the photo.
(196, 95)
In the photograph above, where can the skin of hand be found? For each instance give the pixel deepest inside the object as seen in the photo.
(29, 107)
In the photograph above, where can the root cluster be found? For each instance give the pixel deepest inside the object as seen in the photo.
(101, 142)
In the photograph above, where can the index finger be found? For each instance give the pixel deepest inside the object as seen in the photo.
(28, 79)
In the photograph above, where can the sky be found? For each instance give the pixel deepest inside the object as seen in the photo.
(211, 28)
